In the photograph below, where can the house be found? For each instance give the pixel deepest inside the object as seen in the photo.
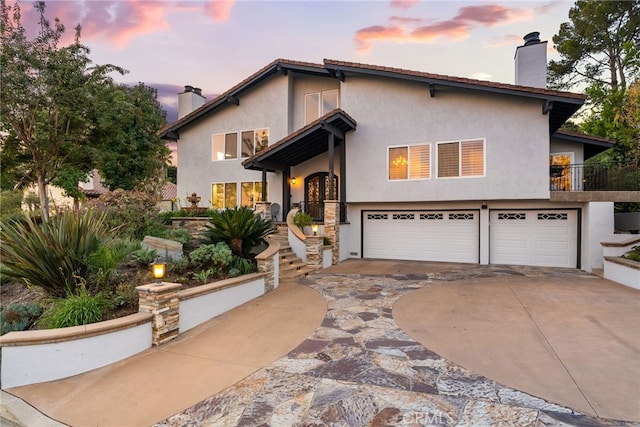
(402, 164)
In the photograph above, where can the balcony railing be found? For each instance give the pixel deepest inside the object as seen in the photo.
(596, 177)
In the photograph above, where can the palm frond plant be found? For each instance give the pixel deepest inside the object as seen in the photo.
(54, 255)
(240, 228)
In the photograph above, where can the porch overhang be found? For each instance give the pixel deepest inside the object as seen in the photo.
(303, 144)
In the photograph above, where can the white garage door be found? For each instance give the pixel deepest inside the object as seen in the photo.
(451, 236)
(543, 238)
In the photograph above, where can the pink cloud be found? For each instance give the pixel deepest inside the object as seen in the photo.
(404, 4)
(364, 36)
(457, 28)
(401, 20)
(219, 10)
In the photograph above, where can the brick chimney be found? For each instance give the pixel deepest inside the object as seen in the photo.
(531, 62)
(189, 100)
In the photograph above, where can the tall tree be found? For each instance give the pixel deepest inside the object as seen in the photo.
(63, 116)
(598, 46)
(130, 152)
(48, 95)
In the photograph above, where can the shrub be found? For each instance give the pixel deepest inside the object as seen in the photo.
(75, 310)
(243, 265)
(302, 219)
(234, 272)
(633, 254)
(18, 317)
(240, 228)
(178, 234)
(204, 275)
(144, 256)
(52, 255)
(133, 212)
(103, 262)
(207, 256)
(326, 241)
(124, 295)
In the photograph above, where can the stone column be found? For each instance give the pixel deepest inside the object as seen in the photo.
(162, 301)
(314, 251)
(267, 265)
(332, 227)
(263, 209)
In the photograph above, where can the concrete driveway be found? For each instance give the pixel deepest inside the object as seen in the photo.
(567, 337)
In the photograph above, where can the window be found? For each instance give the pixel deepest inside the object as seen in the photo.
(254, 141)
(224, 146)
(463, 158)
(251, 193)
(224, 195)
(320, 103)
(410, 162)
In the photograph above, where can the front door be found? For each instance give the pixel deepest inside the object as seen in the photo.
(316, 192)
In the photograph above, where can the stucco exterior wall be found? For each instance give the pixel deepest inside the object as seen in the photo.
(265, 106)
(558, 146)
(301, 85)
(391, 112)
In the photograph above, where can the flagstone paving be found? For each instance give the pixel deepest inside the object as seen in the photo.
(359, 368)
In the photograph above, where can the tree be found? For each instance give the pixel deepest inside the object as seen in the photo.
(63, 116)
(48, 96)
(131, 151)
(598, 46)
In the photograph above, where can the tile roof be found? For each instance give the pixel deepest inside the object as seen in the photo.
(564, 132)
(169, 191)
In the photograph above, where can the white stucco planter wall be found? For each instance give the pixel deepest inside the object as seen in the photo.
(625, 272)
(197, 305)
(30, 357)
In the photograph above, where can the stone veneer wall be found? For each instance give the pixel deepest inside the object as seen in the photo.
(162, 301)
(196, 226)
(332, 227)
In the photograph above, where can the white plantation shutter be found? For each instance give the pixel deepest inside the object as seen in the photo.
(419, 161)
(472, 158)
(448, 160)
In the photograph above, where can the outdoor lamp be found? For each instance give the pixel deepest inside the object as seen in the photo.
(293, 181)
(314, 228)
(158, 269)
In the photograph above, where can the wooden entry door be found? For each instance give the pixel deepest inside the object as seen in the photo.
(316, 192)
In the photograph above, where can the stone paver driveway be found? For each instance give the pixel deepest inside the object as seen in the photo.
(359, 368)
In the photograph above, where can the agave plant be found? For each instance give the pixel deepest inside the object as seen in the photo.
(240, 227)
(54, 256)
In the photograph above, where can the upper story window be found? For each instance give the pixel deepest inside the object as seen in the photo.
(224, 146)
(410, 162)
(254, 141)
(461, 158)
(320, 103)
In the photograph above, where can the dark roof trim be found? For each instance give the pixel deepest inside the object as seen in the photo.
(584, 138)
(275, 67)
(443, 80)
(337, 122)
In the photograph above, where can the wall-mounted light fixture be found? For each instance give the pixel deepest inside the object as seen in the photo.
(158, 268)
(292, 180)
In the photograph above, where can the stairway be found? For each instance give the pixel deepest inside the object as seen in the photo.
(291, 266)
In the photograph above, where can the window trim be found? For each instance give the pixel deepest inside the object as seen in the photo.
(224, 134)
(460, 141)
(407, 146)
(224, 198)
(320, 103)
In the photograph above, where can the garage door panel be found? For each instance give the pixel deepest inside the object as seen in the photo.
(543, 238)
(422, 235)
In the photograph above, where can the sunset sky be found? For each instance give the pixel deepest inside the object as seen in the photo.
(215, 44)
